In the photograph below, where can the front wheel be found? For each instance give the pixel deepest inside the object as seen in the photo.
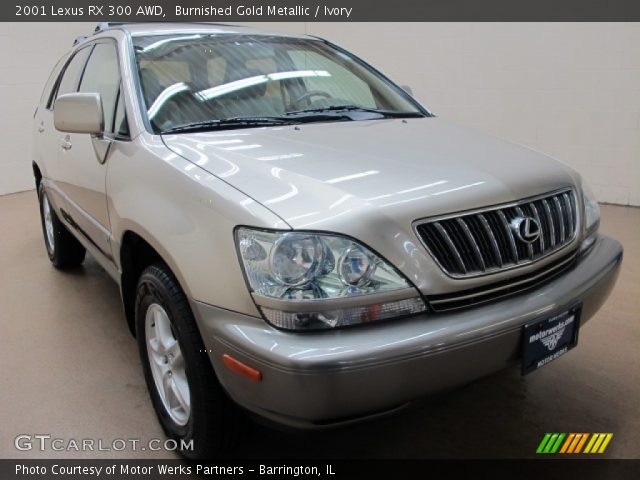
(190, 403)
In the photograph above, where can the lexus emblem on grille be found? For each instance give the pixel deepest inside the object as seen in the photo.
(527, 229)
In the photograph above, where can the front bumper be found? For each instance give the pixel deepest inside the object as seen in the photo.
(324, 378)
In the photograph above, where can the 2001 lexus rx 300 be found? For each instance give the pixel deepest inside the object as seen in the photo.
(291, 230)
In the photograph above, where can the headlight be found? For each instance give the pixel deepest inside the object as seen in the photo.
(591, 210)
(310, 281)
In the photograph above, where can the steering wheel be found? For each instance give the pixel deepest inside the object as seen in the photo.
(311, 93)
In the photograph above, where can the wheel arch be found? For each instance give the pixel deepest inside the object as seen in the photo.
(138, 251)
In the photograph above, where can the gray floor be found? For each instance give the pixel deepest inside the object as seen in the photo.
(71, 370)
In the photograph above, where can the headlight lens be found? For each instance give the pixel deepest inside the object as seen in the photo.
(356, 266)
(295, 259)
(591, 210)
(307, 281)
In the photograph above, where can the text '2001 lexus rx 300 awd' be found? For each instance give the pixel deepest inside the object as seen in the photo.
(293, 233)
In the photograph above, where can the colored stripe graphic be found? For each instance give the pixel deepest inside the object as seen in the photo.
(543, 443)
(581, 442)
(605, 442)
(596, 445)
(591, 442)
(574, 443)
(550, 443)
(556, 446)
(567, 443)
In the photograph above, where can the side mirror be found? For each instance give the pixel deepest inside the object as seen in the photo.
(407, 89)
(79, 113)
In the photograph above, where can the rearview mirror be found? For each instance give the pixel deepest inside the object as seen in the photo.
(79, 113)
(407, 89)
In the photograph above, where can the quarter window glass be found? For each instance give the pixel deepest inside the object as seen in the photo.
(103, 76)
(121, 125)
(72, 73)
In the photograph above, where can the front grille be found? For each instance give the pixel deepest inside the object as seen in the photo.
(475, 296)
(483, 242)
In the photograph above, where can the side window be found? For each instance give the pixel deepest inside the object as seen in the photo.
(121, 125)
(48, 90)
(102, 76)
(71, 75)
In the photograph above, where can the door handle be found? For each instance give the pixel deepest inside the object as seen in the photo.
(65, 143)
(41, 128)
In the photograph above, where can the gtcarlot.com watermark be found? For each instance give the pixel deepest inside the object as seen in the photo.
(45, 442)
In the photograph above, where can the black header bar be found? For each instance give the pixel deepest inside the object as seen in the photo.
(584, 469)
(321, 10)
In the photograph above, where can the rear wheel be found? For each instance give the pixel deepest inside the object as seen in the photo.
(63, 249)
(190, 403)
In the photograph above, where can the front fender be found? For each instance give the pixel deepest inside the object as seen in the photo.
(187, 215)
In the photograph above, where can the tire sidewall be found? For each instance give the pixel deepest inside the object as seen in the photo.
(151, 290)
(51, 249)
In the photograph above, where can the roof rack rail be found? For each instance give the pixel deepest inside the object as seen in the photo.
(102, 26)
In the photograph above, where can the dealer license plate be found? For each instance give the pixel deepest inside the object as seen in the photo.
(548, 339)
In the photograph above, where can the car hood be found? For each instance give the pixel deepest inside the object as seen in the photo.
(324, 176)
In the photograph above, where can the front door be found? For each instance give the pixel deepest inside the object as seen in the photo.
(82, 158)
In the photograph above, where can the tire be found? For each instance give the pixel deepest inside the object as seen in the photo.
(172, 355)
(63, 249)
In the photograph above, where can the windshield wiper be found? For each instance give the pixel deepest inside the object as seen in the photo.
(290, 118)
(229, 123)
(353, 108)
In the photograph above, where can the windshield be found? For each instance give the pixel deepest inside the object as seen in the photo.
(209, 80)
